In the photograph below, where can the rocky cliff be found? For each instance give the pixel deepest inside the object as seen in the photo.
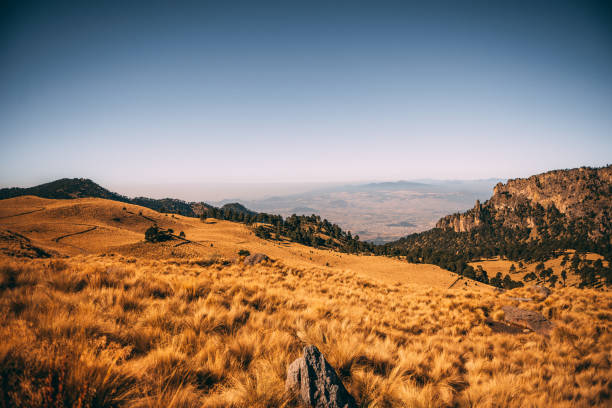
(564, 199)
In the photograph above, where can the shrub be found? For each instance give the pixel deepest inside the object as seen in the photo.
(156, 234)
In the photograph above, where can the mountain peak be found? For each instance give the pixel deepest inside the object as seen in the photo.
(64, 188)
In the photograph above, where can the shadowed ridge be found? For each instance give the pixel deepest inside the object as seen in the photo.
(65, 188)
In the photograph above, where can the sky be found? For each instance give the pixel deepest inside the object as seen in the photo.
(237, 93)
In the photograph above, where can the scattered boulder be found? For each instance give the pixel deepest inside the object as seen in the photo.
(521, 299)
(528, 319)
(501, 327)
(254, 259)
(541, 290)
(316, 382)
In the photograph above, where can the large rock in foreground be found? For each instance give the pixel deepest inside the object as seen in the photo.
(528, 319)
(316, 382)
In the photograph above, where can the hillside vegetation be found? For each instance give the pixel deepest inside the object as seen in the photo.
(527, 220)
(105, 303)
(96, 226)
(98, 330)
(307, 230)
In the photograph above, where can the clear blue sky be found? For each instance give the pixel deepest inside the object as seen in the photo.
(278, 92)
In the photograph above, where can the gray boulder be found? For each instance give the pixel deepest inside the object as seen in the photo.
(528, 319)
(541, 290)
(254, 259)
(316, 382)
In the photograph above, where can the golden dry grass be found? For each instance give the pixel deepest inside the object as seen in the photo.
(121, 231)
(120, 331)
(497, 265)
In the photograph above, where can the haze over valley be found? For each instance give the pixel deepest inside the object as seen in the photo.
(380, 212)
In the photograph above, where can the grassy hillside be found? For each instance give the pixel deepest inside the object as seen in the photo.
(308, 230)
(98, 226)
(122, 331)
(554, 272)
(91, 315)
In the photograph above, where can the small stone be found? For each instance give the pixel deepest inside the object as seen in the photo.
(294, 377)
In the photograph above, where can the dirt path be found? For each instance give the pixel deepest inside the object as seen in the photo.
(74, 233)
(143, 216)
(456, 280)
(186, 241)
(23, 213)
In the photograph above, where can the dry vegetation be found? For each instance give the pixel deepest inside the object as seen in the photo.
(120, 229)
(497, 265)
(112, 331)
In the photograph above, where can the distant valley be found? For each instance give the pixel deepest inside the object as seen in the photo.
(380, 212)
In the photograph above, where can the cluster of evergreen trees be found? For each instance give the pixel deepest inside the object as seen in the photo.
(309, 230)
(454, 250)
(500, 234)
(446, 248)
(244, 216)
(156, 234)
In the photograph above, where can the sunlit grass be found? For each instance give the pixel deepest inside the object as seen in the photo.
(92, 331)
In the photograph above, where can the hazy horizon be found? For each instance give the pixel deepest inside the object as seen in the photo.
(280, 93)
(224, 192)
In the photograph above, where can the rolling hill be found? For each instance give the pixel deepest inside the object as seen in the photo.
(64, 188)
(88, 226)
(309, 230)
(94, 315)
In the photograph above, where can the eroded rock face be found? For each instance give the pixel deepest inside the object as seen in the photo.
(582, 194)
(316, 382)
(528, 319)
(254, 259)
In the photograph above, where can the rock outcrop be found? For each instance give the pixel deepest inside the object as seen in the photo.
(541, 290)
(316, 382)
(255, 259)
(559, 197)
(528, 319)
